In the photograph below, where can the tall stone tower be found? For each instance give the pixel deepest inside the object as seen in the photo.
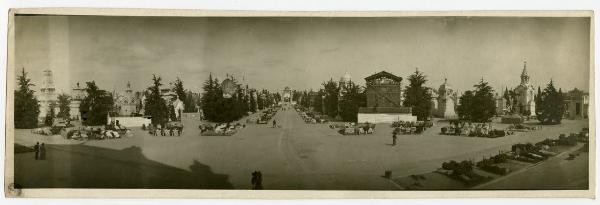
(77, 96)
(47, 94)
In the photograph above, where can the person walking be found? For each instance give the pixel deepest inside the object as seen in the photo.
(43, 152)
(274, 123)
(394, 139)
(36, 148)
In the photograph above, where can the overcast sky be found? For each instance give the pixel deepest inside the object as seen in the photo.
(302, 52)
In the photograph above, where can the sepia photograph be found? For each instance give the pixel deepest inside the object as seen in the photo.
(341, 103)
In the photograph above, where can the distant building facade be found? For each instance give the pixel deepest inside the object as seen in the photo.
(77, 96)
(384, 100)
(287, 94)
(126, 102)
(576, 104)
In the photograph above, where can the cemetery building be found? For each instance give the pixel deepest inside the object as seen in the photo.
(525, 95)
(519, 101)
(287, 94)
(576, 104)
(500, 104)
(445, 105)
(127, 102)
(384, 100)
(77, 96)
(47, 96)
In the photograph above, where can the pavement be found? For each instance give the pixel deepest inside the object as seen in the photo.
(295, 156)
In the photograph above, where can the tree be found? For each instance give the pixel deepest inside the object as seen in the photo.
(50, 114)
(220, 109)
(64, 102)
(317, 101)
(417, 96)
(185, 96)
(484, 104)
(464, 105)
(156, 106)
(253, 105)
(331, 90)
(353, 98)
(26, 107)
(209, 97)
(477, 105)
(538, 101)
(507, 98)
(551, 105)
(96, 105)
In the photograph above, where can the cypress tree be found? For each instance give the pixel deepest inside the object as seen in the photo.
(551, 105)
(477, 105)
(96, 105)
(63, 106)
(417, 96)
(26, 107)
(156, 106)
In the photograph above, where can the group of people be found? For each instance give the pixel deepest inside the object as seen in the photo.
(40, 151)
(256, 180)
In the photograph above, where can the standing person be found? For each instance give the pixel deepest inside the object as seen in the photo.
(43, 152)
(259, 180)
(36, 147)
(254, 179)
(274, 123)
(394, 139)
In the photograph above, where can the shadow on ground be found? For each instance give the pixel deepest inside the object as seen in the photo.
(81, 166)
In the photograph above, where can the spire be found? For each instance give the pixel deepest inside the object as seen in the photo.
(524, 73)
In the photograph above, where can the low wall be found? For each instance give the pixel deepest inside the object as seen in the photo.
(385, 117)
(131, 121)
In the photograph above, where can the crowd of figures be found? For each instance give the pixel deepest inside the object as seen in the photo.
(473, 129)
(40, 151)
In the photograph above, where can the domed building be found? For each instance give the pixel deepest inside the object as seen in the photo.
(345, 80)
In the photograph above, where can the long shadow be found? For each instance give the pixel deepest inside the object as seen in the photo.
(82, 166)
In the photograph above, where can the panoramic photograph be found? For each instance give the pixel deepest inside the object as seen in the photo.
(301, 103)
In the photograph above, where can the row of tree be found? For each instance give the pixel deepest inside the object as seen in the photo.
(476, 105)
(218, 108)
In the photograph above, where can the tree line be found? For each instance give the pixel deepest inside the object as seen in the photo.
(477, 105)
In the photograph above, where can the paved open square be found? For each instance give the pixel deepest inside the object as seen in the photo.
(295, 155)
